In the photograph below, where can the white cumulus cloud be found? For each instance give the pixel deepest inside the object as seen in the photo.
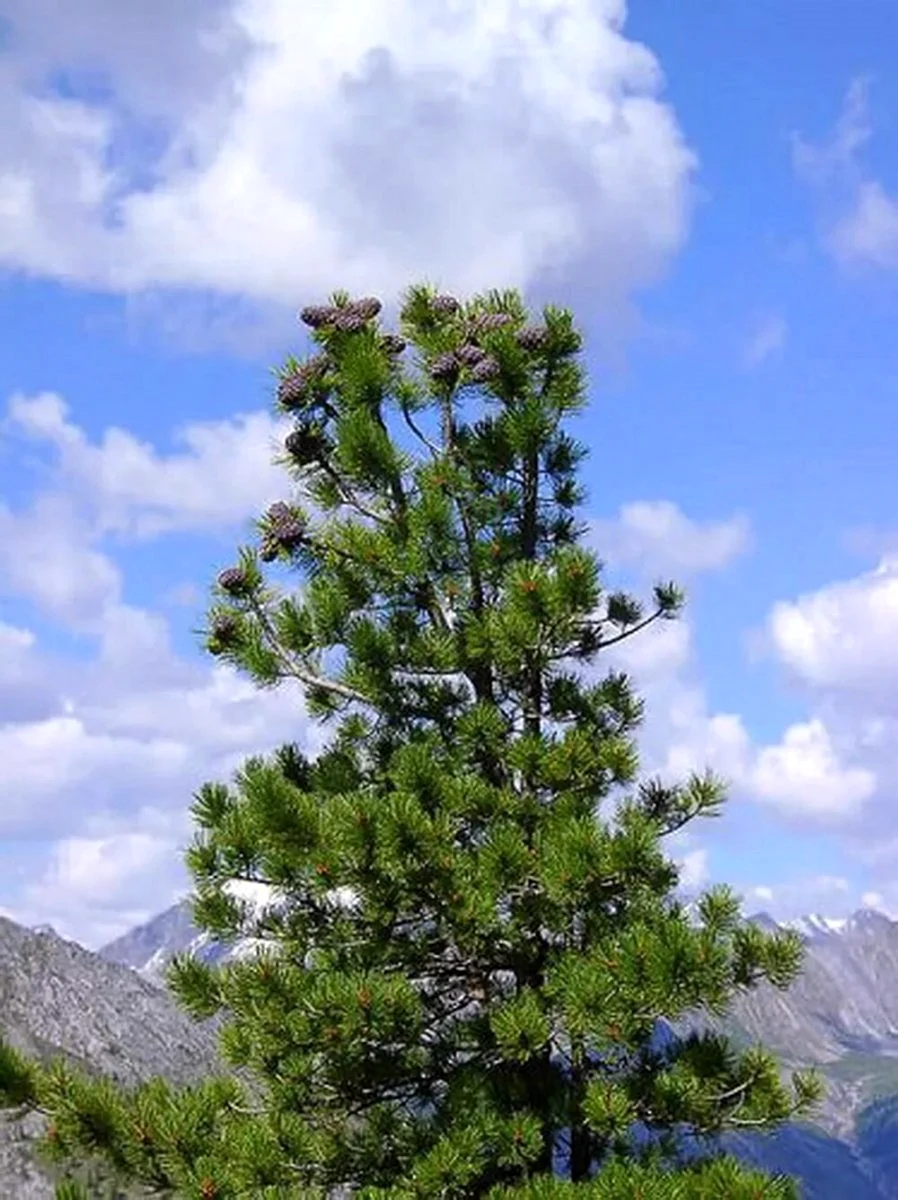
(843, 637)
(805, 776)
(263, 148)
(222, 475)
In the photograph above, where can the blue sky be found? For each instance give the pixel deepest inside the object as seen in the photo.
(712, 187)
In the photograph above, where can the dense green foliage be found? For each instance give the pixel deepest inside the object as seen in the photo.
(476, 930)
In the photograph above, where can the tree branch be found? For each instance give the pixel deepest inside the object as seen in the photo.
(627, 633)
(425, 441)
(303, 674)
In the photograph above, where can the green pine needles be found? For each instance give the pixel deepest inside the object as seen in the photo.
(475, 939)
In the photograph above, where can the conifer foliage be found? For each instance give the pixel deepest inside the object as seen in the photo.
(475, 937)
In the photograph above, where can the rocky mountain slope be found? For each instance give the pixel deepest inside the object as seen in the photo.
(841, 1014)
(57, 998)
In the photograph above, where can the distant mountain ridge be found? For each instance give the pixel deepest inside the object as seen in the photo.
(148, 948)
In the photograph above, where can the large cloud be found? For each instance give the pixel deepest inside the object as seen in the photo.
(263, 147)
(839, 644)
(843, 637)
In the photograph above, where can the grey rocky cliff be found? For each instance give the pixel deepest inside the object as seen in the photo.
(58, 998)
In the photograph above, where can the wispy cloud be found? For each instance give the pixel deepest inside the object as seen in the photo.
(656, 536)
(768, 337)
(859, 223)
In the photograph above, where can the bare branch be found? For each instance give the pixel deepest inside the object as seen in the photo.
(627, 633)
(303, 674)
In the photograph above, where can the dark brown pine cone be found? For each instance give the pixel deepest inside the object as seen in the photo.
(278, 511)
(289, 534)
(392, 344)
(533, 337)
(483, 371)
(223, 630)
(367, 308)
(293, 389)
(470, 355)
(444, 366)
(445, 306)
(305, 443)
(316, 315)
(348, 321)
(234, 581)
(286, 530)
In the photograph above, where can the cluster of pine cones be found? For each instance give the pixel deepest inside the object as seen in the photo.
(296, 388)
(349, 319)
(480, 366)
(302, 385)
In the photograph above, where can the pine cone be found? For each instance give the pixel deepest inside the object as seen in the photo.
(288, 534)
(485, 370)
(444, 366)
(445, 306)
(306, 443)
(223, 631)
(286, 530)
(279, 511)
(292, 391)
(392, 344)
(470, 355)
(533, 337)
(348, 321)
(489, 322)
(316, 315)
(367, 308)
(234, 581)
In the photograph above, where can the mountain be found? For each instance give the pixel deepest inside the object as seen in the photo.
(148, 948)
(57, 998)
(841, 1014)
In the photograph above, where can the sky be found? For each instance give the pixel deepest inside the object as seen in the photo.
(713, 189)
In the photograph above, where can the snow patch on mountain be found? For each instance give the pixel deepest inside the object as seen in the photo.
(149, 948)
(815, 925)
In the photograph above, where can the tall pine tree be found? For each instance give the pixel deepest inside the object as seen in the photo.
(476, 936)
